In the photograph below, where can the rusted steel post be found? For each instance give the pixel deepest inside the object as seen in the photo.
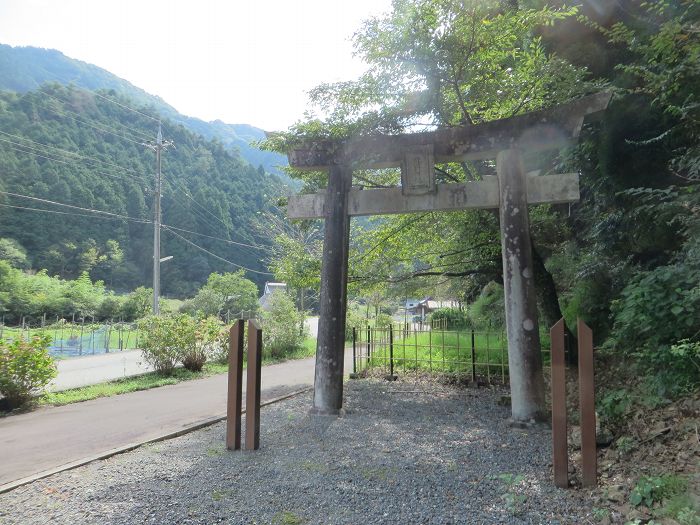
(235, 386)
(328, 380)
(589, 458)
(252, 394)
(559, 436)
(524, 353)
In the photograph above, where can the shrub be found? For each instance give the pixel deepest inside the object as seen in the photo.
(222, 295)
(488, 311)
(354, 318)
(281, 334)
(221, 345)
(382, 320)
(199, 339)
(110, 308)
(655, 489)
(25, 366)
(137, 304)
(657, 313)
(163, 340)
(455, 318)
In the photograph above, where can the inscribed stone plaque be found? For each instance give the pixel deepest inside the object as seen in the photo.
(418, 171)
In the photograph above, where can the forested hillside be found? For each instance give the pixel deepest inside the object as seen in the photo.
(79, 148)
(25, 69)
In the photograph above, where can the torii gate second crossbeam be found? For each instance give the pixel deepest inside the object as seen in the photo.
(510, 191)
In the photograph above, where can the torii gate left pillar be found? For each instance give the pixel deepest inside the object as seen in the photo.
(330, 343)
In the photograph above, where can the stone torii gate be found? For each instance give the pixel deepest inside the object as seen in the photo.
(510, 191)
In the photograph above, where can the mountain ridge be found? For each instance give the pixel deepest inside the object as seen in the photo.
(26, 68)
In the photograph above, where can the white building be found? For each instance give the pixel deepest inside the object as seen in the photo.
(270, 288)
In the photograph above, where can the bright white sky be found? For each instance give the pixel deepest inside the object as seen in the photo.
(239, 61)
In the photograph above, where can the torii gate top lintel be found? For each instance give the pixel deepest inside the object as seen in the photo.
(535, 131)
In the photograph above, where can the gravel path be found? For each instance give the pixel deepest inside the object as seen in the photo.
(442, 456)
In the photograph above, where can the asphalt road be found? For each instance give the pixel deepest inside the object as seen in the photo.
(50, 437)
(89, 370)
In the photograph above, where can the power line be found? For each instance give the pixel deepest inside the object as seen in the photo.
(102, 170)
(200, 215)
(116, 216)
(58, 212)
(67, 152)
(123, 217)
(186, 194)
(92, 210)
(125, 106)
(215, 238)
(60, 161)
(92, 125)
(63, 101)
(216, 256)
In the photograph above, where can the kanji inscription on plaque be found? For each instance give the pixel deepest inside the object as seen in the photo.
(418, 171)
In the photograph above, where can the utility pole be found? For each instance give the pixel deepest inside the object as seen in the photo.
(158, 147)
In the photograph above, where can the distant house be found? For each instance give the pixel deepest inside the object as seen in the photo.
(411, 305)
(270, 288)
(422, 308)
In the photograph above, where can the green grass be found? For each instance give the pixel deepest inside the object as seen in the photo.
(287, 518)
(154, 380)
(310, 346)
(307, 349)
(440, 351)
(129, 384)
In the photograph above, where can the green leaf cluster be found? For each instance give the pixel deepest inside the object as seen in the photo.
(25, 368)
(283, 327)
(224, 295)
(179, 338)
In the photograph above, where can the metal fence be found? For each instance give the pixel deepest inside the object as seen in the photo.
(77, 339)
(414, 350)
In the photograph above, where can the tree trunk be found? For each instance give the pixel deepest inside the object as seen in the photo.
(548, 300)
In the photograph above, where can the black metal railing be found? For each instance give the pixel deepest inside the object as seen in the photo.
(414, 349)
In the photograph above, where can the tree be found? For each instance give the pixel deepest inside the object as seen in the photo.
(225, 294)
(13, 252)
(441, 64)
(281, 334)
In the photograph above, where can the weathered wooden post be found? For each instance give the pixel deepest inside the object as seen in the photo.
(252, 393)
(235, 386)
(524, 353)
(560, 458)
(589, 460)
(328, 380)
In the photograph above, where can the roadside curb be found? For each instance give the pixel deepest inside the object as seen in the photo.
(131, 446)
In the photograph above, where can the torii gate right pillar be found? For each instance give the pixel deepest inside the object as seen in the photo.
(524, 353)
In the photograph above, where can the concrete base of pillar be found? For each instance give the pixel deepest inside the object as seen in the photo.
(325, 412)
(531, 424)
